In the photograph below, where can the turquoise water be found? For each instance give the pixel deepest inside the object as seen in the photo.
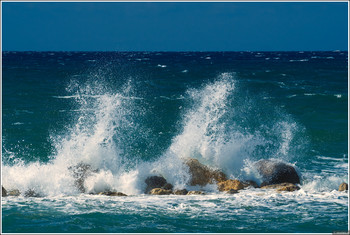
(135, 114)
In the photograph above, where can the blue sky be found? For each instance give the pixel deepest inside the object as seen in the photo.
(230, 26)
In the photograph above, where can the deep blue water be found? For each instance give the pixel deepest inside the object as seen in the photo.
(133, 114)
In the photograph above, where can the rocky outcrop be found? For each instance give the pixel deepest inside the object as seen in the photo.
(343, 187)
(80, 172)
(108, 193)
(181, 192)
(153, 182)
(195, 193)
(203, 175)
(160, 191)
(230, 184)
(276, 172)
(289, 187)
(3, 192)
(14, 192)
(250, 183)
(31, 193)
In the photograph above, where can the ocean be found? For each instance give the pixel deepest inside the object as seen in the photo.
(136, 114)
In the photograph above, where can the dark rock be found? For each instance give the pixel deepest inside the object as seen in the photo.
(80, 172)
(276, 172)
(160, 191)
(168, 186)
(230, 184)
(195, 193)
(155, 182)
(250, 183)
(203, 175)
(282, 187)
(3, 192)
(31, 193)
(112, 193)
(343, 187)
(181, 192)
(232, 191)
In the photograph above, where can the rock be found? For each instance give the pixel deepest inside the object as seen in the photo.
(282, 187)
(203, 175)
(230, 184)
(160, 191)
(343, 187)
(3, 192)
(14, 192)
(80, 172)
(219, 176)
(195, 193)
(250, 183)
(112, 193)
(181, 192)
(155, 182)
(232, 191)
(31, 193)
(168, 186)
(276, 172)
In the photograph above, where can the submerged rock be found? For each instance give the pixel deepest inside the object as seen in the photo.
(160, 191)
(181, 192)
(195, 193)
(232, 191)
(203, 175)
(112, 193)
(230, 184)
(289, 187)
(343, 187)
(153, 182)
(276, 172)
(80, 172)
(3, 192)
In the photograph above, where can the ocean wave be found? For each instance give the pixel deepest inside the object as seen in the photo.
(214, 128)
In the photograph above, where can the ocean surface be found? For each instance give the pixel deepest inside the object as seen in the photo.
(136, 114)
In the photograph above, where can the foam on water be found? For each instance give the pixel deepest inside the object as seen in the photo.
(211, 132)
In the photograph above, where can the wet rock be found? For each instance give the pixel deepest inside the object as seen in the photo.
(289, 187)
(276, 172)
(343, 187)
(3, 192)
(232, 191)
(31, 193)
(181, 192)
(230, 184)
(168, 186)
(112, 193)
(203, 175)
(160, 191)
(80, 172)
(195, 193)
(156, 182)
(219, 176)
(250, 183)
(14, 192)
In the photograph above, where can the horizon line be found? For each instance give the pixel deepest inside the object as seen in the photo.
(175, 51)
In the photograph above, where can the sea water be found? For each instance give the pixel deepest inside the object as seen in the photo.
(136, 114)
